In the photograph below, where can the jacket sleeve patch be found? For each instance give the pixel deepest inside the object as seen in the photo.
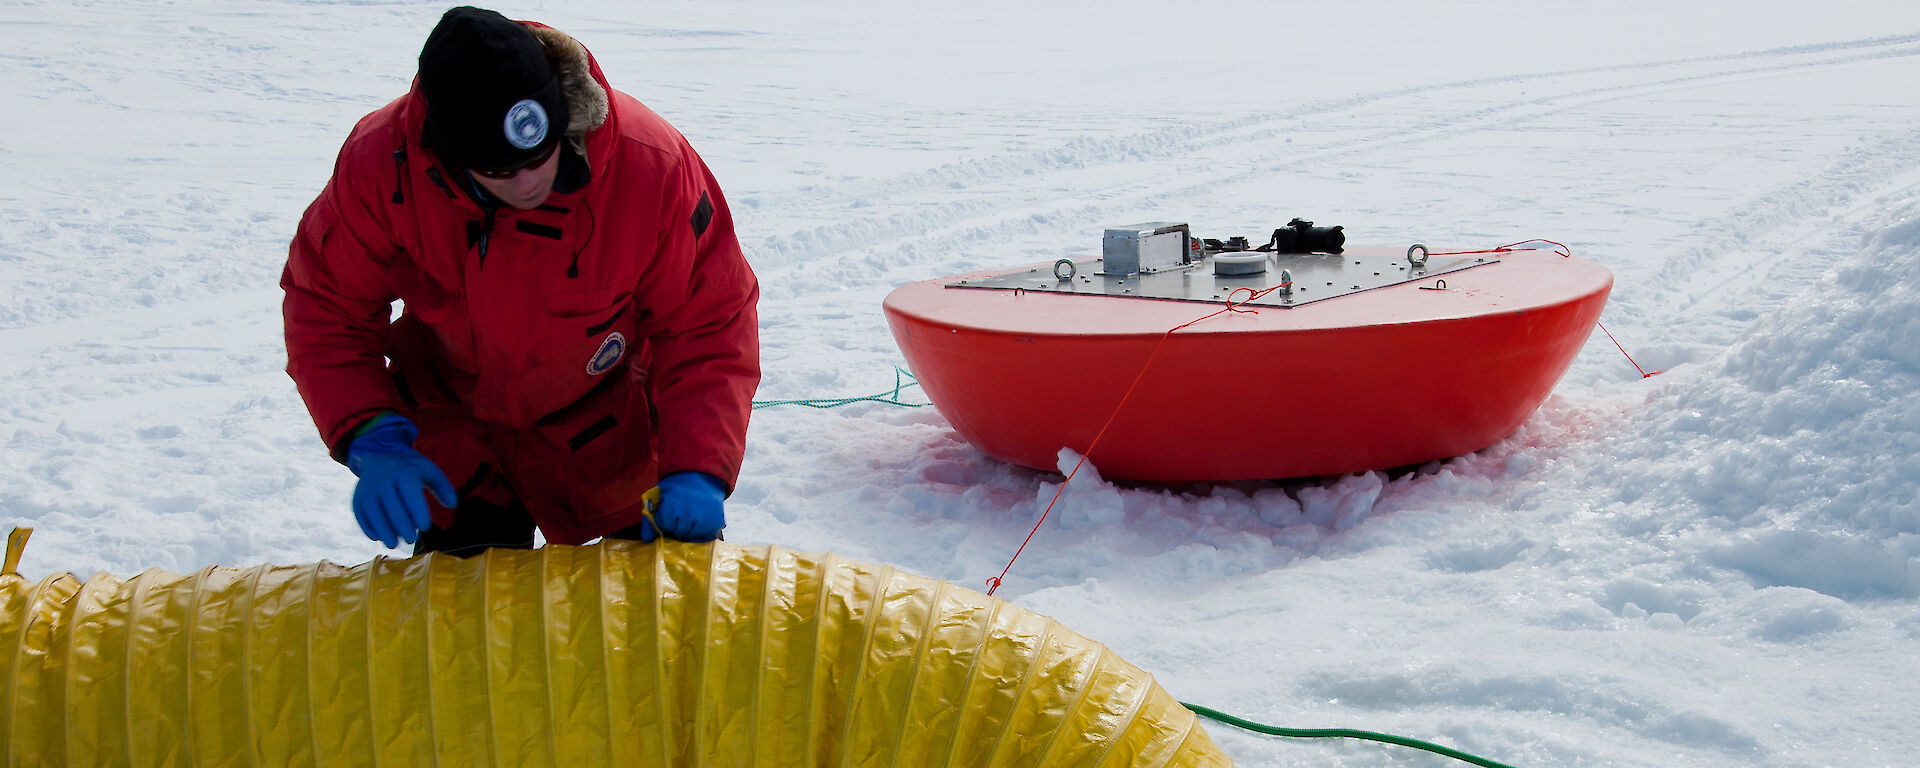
(702, 215)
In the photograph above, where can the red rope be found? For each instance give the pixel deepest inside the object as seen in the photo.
(1623, 351)
(1565, 252)
(1232, 306)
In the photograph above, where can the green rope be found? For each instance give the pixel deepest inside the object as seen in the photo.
(900, 381)
(1342, 733)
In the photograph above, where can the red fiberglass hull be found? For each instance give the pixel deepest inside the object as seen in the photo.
(1384, 378)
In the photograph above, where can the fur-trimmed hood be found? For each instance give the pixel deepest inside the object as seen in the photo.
(582, 85)
(586, 97)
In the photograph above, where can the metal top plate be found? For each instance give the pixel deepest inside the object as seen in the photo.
(1316, 277)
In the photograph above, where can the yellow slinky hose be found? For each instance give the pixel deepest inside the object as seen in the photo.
(616, 654)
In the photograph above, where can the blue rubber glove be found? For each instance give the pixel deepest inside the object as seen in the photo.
(387, 501)
(691, 506)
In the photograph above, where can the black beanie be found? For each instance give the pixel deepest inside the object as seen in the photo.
(492, 101)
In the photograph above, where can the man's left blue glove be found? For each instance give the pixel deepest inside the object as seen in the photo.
(692, 506)
(388, 501)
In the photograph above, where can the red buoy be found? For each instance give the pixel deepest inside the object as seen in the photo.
(1368, 371)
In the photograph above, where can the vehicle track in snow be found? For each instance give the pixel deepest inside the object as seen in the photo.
(953, 208)
(1185, 136)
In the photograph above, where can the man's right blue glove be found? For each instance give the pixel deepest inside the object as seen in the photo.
(388, 501)
(692, 506)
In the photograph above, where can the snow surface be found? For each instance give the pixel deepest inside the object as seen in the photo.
(1716, 566)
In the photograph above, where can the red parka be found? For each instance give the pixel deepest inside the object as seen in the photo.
(634, 280)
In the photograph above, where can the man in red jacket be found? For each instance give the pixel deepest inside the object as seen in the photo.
(579, 324)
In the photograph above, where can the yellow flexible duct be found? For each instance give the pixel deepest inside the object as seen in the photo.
(576, 657)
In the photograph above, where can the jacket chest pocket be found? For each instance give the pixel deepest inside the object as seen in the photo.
(591, 331)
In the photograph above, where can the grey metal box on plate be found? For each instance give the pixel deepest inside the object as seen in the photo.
(1144, 247)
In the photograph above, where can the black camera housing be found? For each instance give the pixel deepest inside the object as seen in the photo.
(1301, 236)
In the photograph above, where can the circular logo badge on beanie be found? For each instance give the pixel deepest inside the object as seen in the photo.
(526, 124)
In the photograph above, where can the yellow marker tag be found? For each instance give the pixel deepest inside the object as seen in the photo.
(17, 543)
(650, 503)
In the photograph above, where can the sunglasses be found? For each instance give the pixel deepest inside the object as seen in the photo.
(498, 174)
